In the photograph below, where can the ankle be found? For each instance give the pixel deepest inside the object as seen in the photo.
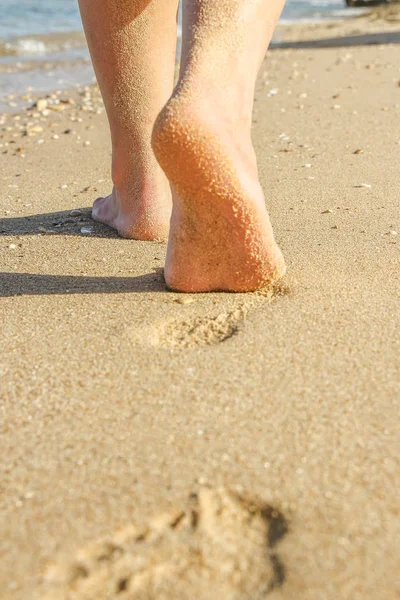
(189, 106)
(188, 117)
(136, 171)
(227, 87)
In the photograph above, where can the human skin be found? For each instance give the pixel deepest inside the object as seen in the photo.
(133, 49)
(220, 236)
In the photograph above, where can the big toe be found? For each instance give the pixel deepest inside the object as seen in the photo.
(99, 209)
(97, 202)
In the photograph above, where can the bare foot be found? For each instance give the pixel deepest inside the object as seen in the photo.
(133, 47)
(140, 214)
(221, 237)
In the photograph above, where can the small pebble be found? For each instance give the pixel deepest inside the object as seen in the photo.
(34, 129)
(359, 151)
(75, 212)
(63, 187)
(41, 104)
(55, 137)
(87, 230)
(363, 185)
(184, 300)
(12, 246)
(328, 211)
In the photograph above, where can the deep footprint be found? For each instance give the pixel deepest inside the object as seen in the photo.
(222, 546)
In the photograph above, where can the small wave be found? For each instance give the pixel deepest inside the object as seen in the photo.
(26, 46)
(326, 4)
(350, 12)
(39, 45)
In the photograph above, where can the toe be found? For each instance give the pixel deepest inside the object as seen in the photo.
(97, 203)
(99, 208)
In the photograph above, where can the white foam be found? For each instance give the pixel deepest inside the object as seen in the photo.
(26, 46)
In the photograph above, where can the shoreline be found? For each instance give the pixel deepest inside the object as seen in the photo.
(65, 55)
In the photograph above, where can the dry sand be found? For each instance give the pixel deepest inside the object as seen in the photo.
(121, 401)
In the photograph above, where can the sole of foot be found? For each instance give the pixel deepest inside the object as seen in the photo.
(221, 237)
(146, 220)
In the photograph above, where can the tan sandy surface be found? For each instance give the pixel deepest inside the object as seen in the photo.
(120, 399)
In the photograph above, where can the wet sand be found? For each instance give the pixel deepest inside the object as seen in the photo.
(120, 400)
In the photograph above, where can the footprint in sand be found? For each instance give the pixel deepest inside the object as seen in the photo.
(221, 547)
(211, 330)
(201, 331)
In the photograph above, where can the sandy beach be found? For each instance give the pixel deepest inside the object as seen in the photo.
(221, 446)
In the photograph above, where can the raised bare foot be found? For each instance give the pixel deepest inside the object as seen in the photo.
(139, 212)
(221, 237)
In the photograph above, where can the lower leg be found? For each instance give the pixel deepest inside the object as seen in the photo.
(221, 236)
(132, 43)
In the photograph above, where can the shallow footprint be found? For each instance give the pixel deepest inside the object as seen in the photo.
(221, 547)
(201, 331)
(210, 330)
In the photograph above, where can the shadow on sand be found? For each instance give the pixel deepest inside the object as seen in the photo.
(27, 284)
(368, 39)
(56, 223)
